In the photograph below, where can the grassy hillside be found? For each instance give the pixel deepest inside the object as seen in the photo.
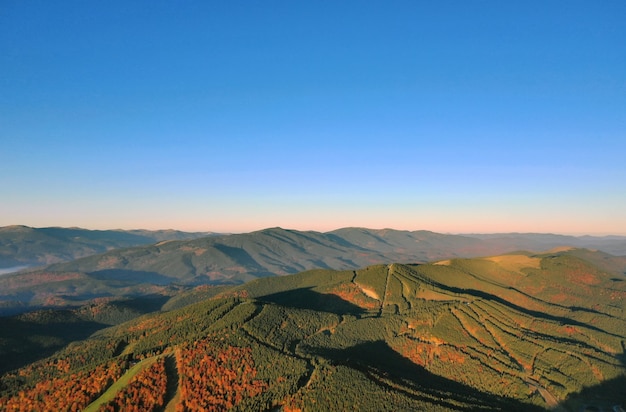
(511, 332)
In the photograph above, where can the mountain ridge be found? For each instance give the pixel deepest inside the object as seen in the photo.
(239, 258)
(28, 246)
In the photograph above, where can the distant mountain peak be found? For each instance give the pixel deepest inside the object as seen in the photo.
(16, 228)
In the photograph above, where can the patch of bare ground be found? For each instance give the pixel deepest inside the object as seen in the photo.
(369, 292)
(515, 263)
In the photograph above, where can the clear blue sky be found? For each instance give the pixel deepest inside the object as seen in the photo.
(451, 116)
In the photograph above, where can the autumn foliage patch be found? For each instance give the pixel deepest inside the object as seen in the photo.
(72, 392)
(215, 376)
(145, 392)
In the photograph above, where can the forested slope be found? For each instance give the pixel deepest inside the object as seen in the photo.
(510, 332)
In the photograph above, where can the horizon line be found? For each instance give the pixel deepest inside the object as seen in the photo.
(479, 233)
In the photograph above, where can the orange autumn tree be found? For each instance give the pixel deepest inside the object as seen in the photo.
(145, 392)
(72, 392)
(215, 376)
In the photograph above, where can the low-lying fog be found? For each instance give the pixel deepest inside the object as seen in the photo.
(5, 271)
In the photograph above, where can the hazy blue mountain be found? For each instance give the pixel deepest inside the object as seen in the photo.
(27, 246)
(615, 245)
(241, 257)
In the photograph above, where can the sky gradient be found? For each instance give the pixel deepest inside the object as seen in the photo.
(451, 116)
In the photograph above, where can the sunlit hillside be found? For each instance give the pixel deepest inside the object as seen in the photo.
(491, 333)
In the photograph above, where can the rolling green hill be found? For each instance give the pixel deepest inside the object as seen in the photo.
(520, 331)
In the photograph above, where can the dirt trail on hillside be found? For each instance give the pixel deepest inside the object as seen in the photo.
(551, 401)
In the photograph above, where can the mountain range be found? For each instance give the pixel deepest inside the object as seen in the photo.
(23, 246)
(168, 265)
(286, 320)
